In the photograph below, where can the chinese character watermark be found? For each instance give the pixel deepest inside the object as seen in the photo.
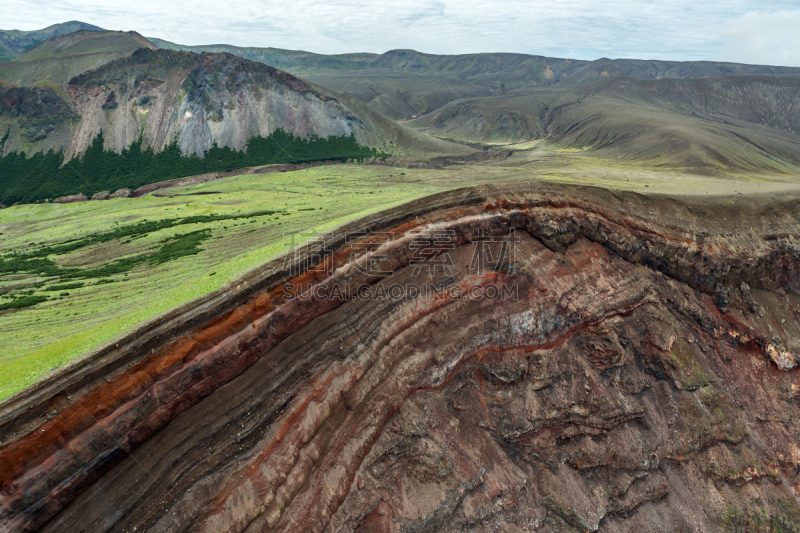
(487, 257)
(369, 256)
(430, 251)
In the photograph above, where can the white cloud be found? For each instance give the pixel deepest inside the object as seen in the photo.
(736, 30)
(763, 38)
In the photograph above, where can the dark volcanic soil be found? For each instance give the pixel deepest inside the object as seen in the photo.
(634, 371)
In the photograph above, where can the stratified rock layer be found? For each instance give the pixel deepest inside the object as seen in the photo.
(600, 361)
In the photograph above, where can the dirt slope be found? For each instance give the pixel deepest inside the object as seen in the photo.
(742, 123)
(635, 371)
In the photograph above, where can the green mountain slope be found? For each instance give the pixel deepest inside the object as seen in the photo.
(15, 42)
(405, 83)
(63, 57)
(748, 123)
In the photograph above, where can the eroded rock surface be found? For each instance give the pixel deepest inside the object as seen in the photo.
(199, 100)
(599, 362)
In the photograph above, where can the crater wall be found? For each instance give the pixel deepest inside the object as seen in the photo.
(594, 361)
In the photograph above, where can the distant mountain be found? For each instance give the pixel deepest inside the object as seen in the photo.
(711, 124)
(295, 60)
(15, 42)
(59, 59)
(166, 97)
(707, 116)
(405, 83)
(36, 111)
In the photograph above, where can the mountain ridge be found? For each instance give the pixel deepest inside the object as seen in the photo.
(57, 60)
(385, 80)
(708, 117)
(15, 42)
(709, 125)
(153, 100)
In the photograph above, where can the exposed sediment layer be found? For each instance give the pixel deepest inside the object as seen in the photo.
(600, 361)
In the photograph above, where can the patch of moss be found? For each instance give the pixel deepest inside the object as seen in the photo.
(782, 518)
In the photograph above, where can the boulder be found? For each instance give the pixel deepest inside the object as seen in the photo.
(70, 199)
(121, 193)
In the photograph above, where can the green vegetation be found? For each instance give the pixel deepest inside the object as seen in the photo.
(65, 286)
(125, 261)
(45, 176)
(783, 518)
(39, 261)
(24, 301)
(14, 42)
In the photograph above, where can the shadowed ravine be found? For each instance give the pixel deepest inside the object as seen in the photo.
(634, 371)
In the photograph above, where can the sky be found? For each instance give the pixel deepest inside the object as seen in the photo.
(744, 31)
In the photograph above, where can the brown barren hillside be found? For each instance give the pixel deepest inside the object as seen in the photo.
(706, 125)
(592, 360)
(406, 83)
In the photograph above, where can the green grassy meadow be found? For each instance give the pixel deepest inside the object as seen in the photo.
(73, 321)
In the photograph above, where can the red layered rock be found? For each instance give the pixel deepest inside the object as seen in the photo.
(627, 368)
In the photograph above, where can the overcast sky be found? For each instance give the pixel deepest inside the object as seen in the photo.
(747, 31)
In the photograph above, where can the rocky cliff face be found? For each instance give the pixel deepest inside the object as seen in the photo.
(165, 97)
(198, 100)
(193, 100)
(35, 109)
(34, 115)
(596, 362)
